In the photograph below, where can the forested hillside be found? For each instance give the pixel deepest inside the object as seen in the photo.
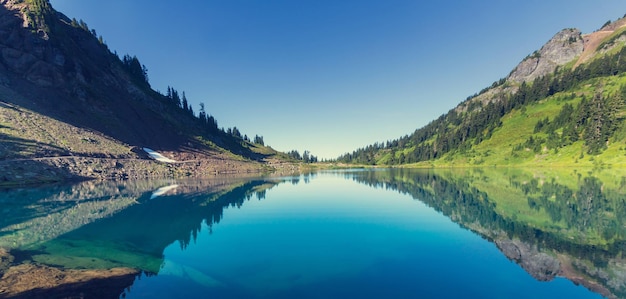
(572, 114)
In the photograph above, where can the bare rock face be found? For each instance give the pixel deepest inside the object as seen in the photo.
(541, 266)
(24, 53)
(561, 49)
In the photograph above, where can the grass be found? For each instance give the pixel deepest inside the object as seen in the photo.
(518, 126)
(511, 202)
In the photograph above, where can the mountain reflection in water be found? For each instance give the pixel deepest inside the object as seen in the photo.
(103, 225)
(136, 236)
(569, 224)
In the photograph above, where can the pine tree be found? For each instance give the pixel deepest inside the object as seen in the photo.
(202, 114)
(596, 127)
(305, 156)
(176, 98)
(134, 67)
(185, 104)
(259, 140)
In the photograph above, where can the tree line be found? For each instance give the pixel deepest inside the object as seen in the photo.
(306, 156)
(179, 100)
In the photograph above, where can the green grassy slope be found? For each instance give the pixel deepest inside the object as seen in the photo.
(571, 117)
(518, 126)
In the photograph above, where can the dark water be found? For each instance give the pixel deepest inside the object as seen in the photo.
(345, 234)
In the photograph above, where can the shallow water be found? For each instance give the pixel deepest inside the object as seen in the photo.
(348, 234)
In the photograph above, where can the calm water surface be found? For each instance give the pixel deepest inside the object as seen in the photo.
(348, 234)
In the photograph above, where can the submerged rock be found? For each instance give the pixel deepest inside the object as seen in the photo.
(35, 281)
(6, 259)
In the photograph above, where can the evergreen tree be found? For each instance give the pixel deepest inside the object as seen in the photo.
(598, 126)
(176, 98)
(83, 25)
(185, 104)
(235, 132)
(305, 156)
(212, 123)
(137, 71)
(259, 140)
(202, 114)
(294, 154)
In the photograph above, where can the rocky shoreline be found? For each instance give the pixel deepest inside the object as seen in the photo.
(25, 172)
(29, 280)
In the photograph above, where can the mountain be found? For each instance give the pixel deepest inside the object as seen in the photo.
(70, 108)
(564, 104)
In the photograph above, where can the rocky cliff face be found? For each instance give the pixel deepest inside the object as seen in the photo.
(564, 47)
(25, 47)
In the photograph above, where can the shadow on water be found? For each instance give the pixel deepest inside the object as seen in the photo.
(551, 224)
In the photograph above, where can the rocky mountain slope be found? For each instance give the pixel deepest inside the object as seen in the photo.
(71, 108)
(563, 104)
(561, 49)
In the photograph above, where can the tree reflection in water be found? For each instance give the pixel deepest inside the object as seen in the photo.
(549, 228)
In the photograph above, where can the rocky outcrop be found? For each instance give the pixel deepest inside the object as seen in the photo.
(25, 47)
(564, 47)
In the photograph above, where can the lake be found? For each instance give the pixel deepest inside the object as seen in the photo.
(482, 233)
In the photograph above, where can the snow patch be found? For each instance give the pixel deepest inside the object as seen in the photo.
(162, 190)
(156, 156)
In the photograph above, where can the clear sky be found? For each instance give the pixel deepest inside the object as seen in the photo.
(330, 76)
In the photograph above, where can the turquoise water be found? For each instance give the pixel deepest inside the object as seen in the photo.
(336, 238)
(334, 234)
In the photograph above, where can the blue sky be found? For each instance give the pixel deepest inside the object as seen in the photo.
(331, 76)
